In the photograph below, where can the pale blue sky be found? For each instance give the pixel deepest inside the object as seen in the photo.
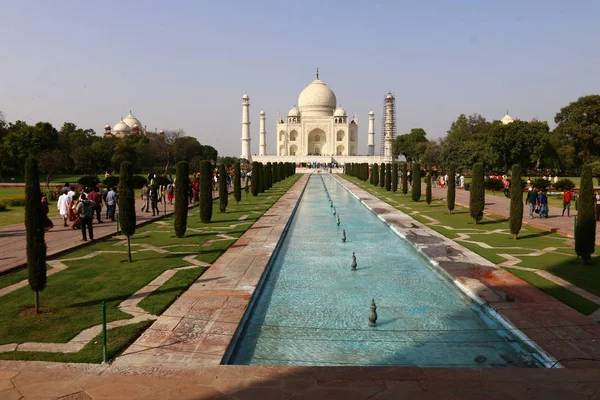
(186, 64)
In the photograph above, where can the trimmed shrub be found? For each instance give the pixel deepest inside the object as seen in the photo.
(34, 228)
(394, 177)
(451, 187)
(89, 181)
(388, 177)
(3, 206)
(261, 178)
(585, 232)
(416, 183)
(280, 171)
(495, 185)
(276, 177)
(237, 182)
(111, 181)
(139, 181)
(428, 196)
(17, 201)
(254, 179)
(540, 183)
(206, 196)
(467, 186)
(375, 174)
(477, 198)
(564, 184)
(371, 178)
(223, 195)
(126, 202)
(404, 178)
(269, 176)
(162, 180)
(382, 175)
(182, 183)
(516, 202)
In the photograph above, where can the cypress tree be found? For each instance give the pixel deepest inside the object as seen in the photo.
(382, 175)
(371, 179)
(254, 181)
(34, 227)
(388, 177)
(394, 177)
(428, 196)
(276, 177)
(516, 201)
(416, 183)
(206, 198)
(404, 178)
(585, 232)
(237, 182)
(477, 199)
(451, 187)
(223, 195)
(126, 202)
(280, 171)
(182, 182)
(375, 174)
(265, 175)
(261, 178)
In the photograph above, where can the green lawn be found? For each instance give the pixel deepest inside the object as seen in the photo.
(495, 231)
(74, 295)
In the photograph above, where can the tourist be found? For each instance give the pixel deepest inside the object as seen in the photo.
(71, 193)
(170, 192)
(529, 182)
(94, 196)
(567, 203)
(506, 187)
(462, 180)
(531, 200)
(597, 205)
(543, 202)
(63, 207)
(154, 200)
(111, 203)
(145, 199)
(85, 209)
(48, 224)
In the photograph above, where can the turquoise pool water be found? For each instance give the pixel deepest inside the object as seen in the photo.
(312, 309)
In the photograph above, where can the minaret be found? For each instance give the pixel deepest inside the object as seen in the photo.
(388, 128)
(371, 133)
(246, 128)
(262, 135)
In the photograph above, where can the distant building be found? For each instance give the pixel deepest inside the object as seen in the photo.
(507, 119)
(129, 125)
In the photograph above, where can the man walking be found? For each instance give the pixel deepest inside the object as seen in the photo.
(531, 200)
(154, 200)
(111, 203)
(85, 209)
(543, 201)
(63, 207)
(145, 199)
(94, 196)
(567, 203)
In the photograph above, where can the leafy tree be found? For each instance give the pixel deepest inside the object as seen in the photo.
(428, 196)
(394, 177)
(451, 187)
(404, 178)
(185, 148)
(579, 123)
(206, 198)
(416, 183)
(126, 200)
(411, 145)
(51, 161)
(34, 227)
(375, 174)
(209, 153)
(585, 232)
(519, 142)
(182, 183)
(255, 178)
(228, 161)
(23, 140)
(388, 177)
(237, 182)
(382, 175)
(477, 198)
(223, 195)
(468, 142)
(516, 201)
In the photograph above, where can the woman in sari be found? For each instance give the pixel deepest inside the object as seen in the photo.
(48, 224)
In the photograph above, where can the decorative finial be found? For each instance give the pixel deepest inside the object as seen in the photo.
(507, 111)
(317, 72)
(373, 315)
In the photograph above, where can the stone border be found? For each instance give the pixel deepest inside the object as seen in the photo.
(558, 330)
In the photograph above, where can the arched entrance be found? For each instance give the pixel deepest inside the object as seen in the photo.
(317, 139)
(293, 150)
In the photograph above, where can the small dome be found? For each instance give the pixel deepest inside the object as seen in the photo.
(507, 119)
(317, 99)
(245, 96)
(294, 112)
(389, 95)
(262, 112)
(132, 121)
(121, 126)
(340, 112)
(107, 127)
(371, 112)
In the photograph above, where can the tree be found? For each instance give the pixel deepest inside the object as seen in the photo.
(276, 177)
(23, 140)
(260, 178)
(280, 171)
(223, 195)
(585, 232)
(185, 148)
(372, 175)
(34, 227)
(428, 196)
(579, 124)
(51, 161)
(209, 153)
(382, 175)
(126, 200)
(410, 145)
(267, 177)
(255, 178)
(477, 198)
(468, 142)
(237, 182)
(404, 178)
(451, 187)
(516, 201)
(388, 177)
(394, 177)
(416, 183)
(375, 174)
(206, 198)
(182, 183)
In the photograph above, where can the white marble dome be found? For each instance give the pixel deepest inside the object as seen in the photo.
(317, 99)
(294, 112)
(132, 121)
(507, 119)
(340, 112)
(121, 127)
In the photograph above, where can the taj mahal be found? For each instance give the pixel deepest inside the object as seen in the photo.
(317, 130)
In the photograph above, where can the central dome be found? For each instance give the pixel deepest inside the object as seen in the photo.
(317, 99)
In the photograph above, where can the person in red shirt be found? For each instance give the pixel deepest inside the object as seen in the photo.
(94, 196)
(567, 203)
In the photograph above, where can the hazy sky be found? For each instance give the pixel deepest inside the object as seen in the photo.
(186, 65)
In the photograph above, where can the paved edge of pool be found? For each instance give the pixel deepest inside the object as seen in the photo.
(197, 329)
(546, 323)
